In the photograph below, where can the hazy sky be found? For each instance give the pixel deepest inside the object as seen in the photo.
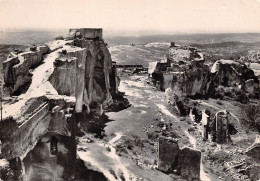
(134, 15)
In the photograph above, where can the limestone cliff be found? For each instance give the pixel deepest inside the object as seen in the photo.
(186, 74)
(184, 71)
(16, 68)
(75, 74)
(38, 116)
(228, 73)
(191, 81)
(84, 72)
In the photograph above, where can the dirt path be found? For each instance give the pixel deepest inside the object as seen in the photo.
(120, 167)
(146, 105)
(102, 156)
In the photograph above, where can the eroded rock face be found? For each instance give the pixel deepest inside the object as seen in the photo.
(190, 164)
(186, 73)
(230, 76)
(191, 79)
(85, 72)
(172, 159)
(17, 68)
(43, 164)
(70, 78)
(168, 155)
(20, 135)
(86, 33)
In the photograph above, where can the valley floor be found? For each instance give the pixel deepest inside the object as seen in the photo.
(129, 150)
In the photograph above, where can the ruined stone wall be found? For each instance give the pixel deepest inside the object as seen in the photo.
(177, 54)
(114, 79)
(91, 33)
(16, 69)
(184, 162)
(189, 164)
(86, 33)
(169, 152)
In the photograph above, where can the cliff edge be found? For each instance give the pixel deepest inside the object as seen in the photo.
(65, 77)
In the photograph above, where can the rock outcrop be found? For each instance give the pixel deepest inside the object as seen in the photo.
(76, 75)
(169, 152)
(16, 68)
(187, 74)
(38, 117)
(172, 159)
(85, 72)
(228, 73)
(86, 33)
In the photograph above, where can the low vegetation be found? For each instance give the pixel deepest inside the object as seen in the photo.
(232, 93)
(251, 116)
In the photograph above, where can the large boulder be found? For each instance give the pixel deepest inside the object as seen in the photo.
(190, 164)
(172, 159)
(168, 154)
(44, 49)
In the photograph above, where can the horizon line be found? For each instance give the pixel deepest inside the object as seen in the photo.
(143, 32)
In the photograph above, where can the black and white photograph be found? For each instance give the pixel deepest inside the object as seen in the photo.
(129, 90)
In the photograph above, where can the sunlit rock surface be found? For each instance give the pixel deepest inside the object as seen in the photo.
(186, 72)
(84, 73)
(18, 65)
(64, 77)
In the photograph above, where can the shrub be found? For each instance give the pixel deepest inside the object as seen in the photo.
(251, 116)
(152, 136)
(219, 156)
(231, 92)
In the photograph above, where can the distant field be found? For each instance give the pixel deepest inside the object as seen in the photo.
(228, 50)
(27, 37)
(185, 39)
(138, 54)
(218, 45)
(143, 54)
